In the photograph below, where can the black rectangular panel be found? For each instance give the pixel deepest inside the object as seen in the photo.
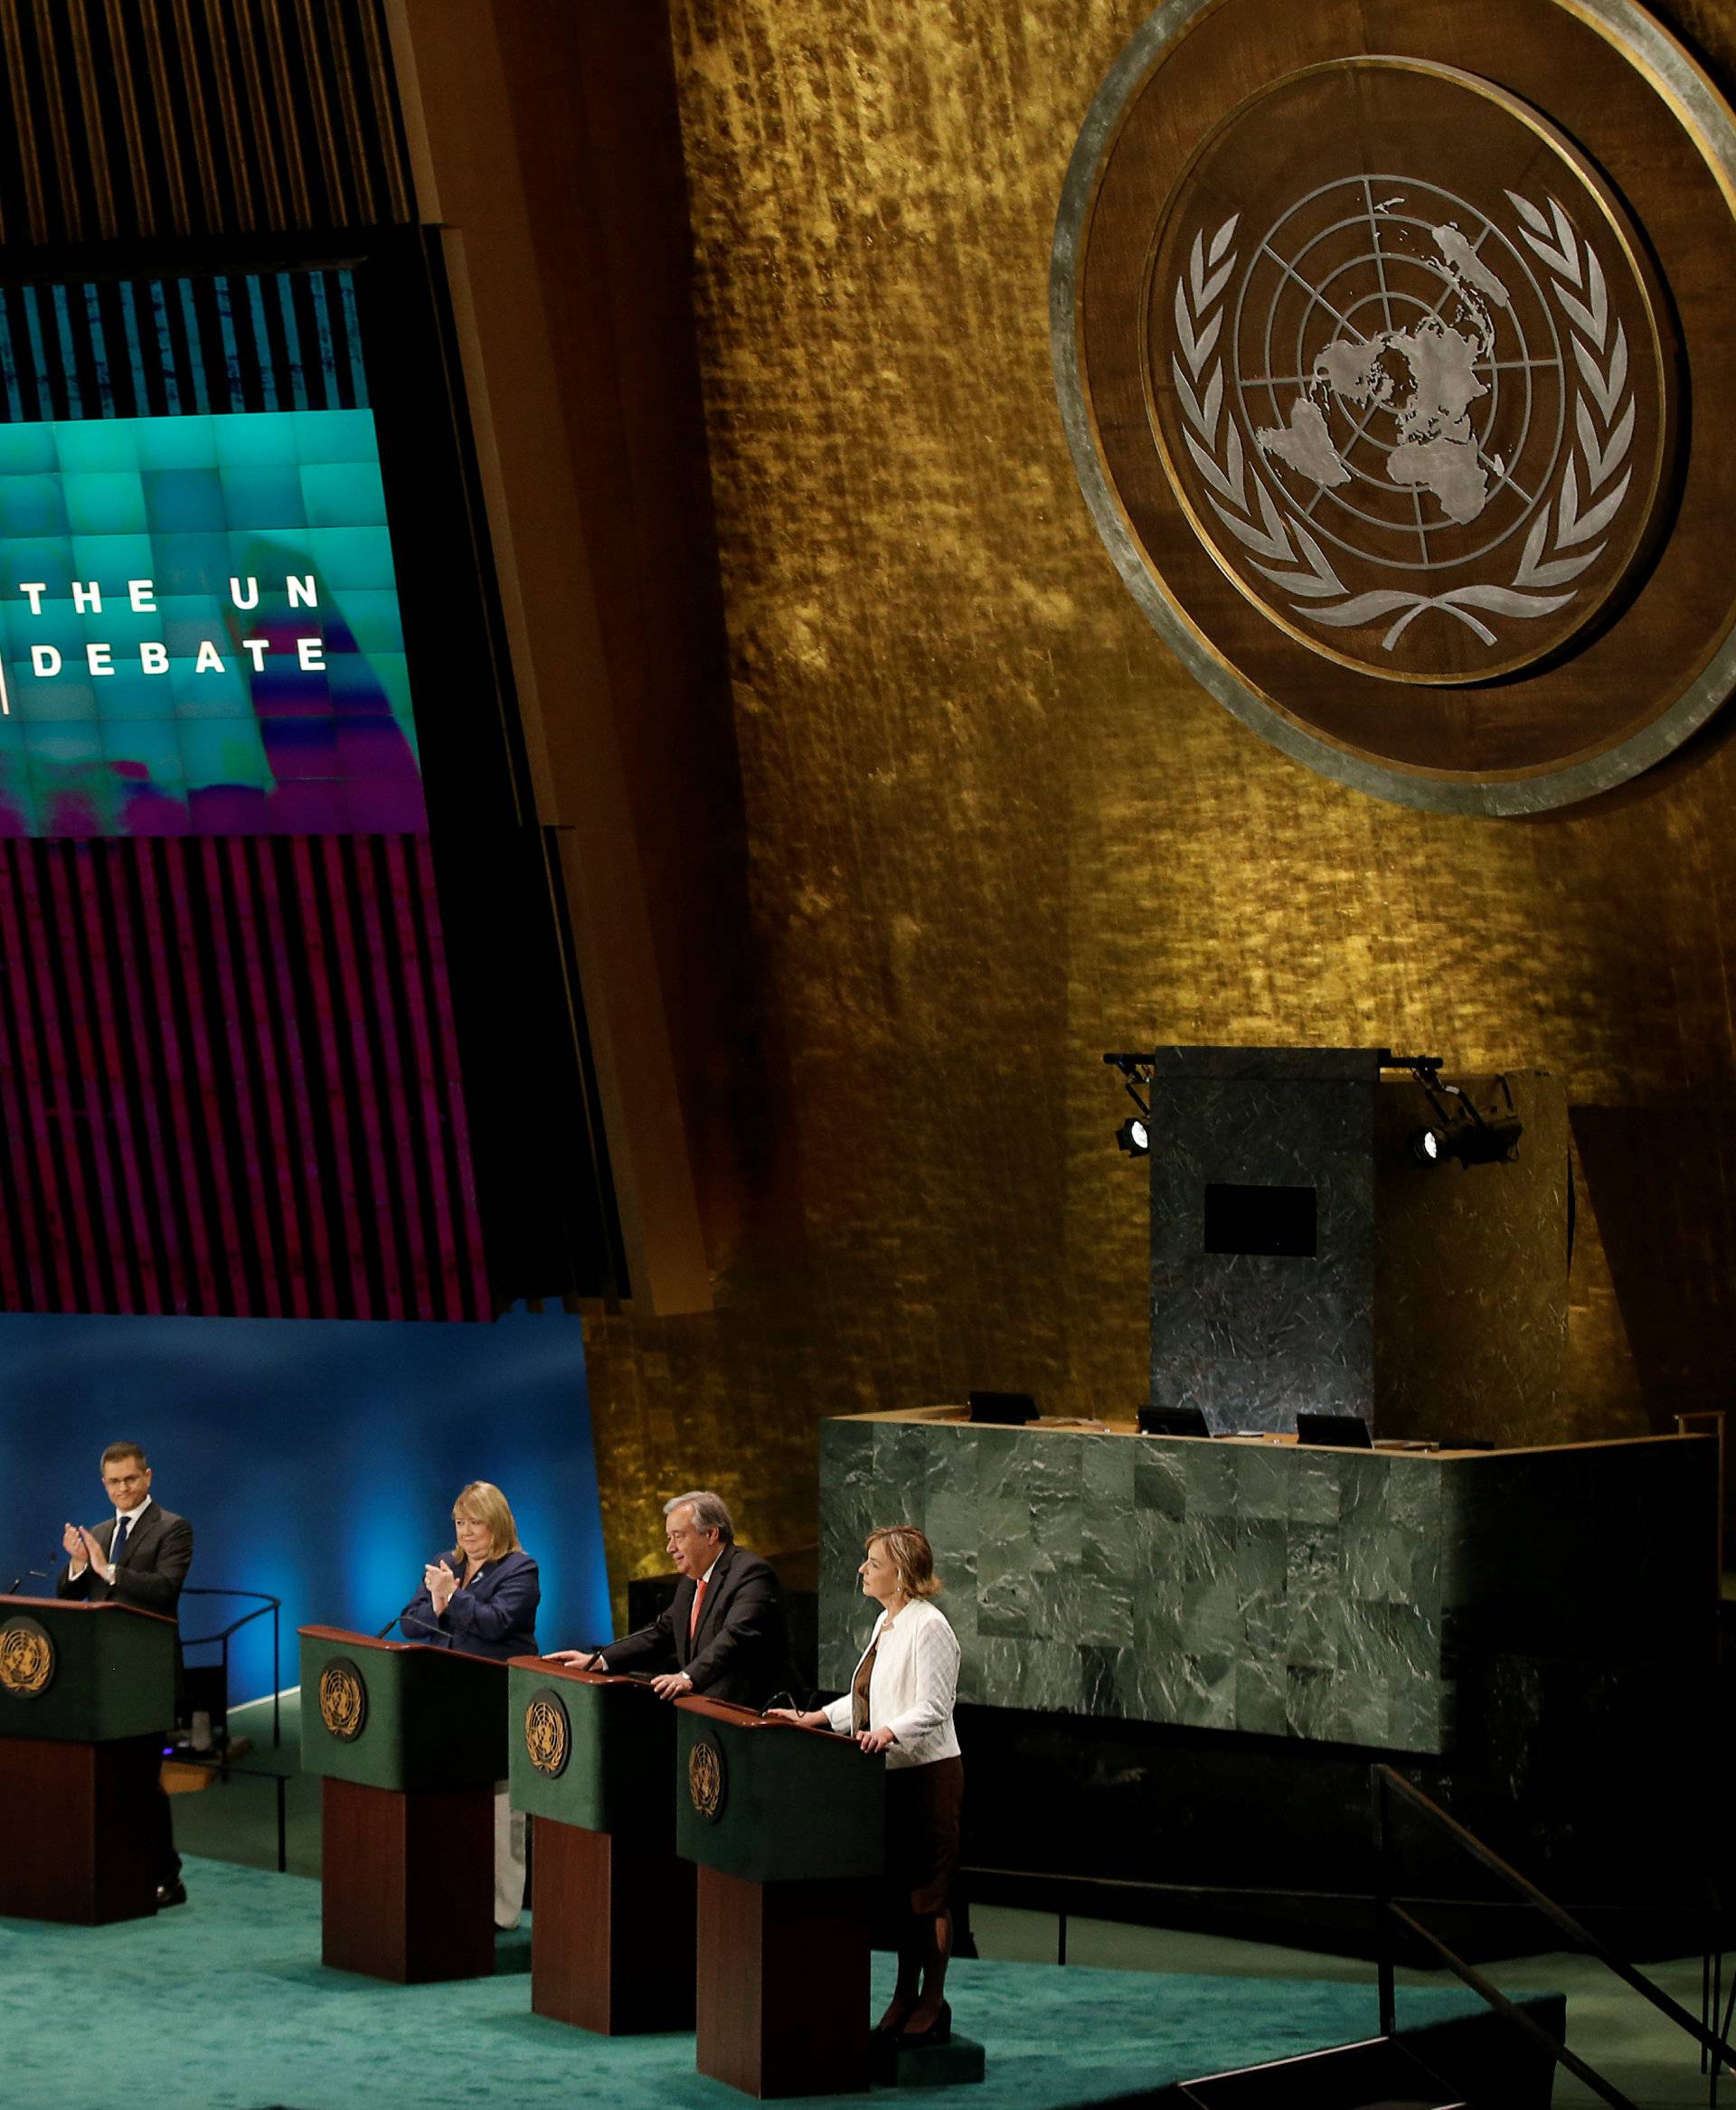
(1275, 1221)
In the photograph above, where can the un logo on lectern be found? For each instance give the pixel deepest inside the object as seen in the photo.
(343, 1699)
(706, 1780)
(548, 1734)
(26, 1658)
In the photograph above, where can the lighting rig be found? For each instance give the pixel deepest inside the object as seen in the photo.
(1458, 1130)
(1134, 1134)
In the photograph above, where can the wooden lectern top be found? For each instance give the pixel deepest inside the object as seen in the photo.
(743, 1718)
(345, 1639)
(571, 1674)
(37, 1605)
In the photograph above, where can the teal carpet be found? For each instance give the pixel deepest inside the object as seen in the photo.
(225, 2005)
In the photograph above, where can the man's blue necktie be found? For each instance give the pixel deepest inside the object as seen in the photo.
(118, 1545)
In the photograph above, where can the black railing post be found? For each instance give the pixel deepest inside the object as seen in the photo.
(1499, 2001)
(1582, 1937)
(1382, 1903)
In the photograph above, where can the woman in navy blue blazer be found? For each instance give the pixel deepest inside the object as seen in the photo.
(481, 1599)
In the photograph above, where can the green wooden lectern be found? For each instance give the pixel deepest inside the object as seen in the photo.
(612, 1935)
(787, 1826)
(86, 1692)
(411, 1742)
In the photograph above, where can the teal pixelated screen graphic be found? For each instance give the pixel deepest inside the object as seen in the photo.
(200, 629)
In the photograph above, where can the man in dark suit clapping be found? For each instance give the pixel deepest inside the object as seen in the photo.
(139, 1556)
(723, 1635)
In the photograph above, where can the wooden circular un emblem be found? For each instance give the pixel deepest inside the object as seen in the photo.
(548, 1734)
(1374, 333)
(706, 1780)
(26, 1658)
(343, 1699)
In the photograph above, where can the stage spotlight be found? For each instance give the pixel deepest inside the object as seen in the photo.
(1458, 1130)
(1134, 1134)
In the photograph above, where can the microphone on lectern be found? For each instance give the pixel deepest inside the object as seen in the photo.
(453, 1560)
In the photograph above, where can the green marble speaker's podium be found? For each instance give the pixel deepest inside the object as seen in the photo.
(410, 1742)
(788, 1828)
(86, 1692)
(612, 1935)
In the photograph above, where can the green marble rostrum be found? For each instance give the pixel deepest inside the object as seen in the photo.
(1371, 1598)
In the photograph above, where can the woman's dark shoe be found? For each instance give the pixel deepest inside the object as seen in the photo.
(938, 2032)
(892, 2020)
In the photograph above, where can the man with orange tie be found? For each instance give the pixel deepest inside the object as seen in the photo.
(723, 1635)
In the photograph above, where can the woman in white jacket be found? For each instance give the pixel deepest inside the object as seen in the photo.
(901, 1702)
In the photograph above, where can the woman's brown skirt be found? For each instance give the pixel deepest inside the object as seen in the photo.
(923, 1804)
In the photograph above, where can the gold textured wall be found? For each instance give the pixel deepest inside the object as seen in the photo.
(992, 830)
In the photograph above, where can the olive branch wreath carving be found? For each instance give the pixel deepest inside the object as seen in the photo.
(1302, 567)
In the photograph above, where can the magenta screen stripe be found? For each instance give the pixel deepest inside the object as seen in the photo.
(404, 1115)
(15, 1216)
(233, 1048)
(105, 1271)
(178, 860)
(297, 1060)
(427, 1080)
(349, 1209)
(24, 1121)
(24, 1124)
(182, 1112)
(146, 1050)
(117, 1056)
(124, 1016)
(259, 1079)
(368, 1098)
(454, 1092)
(77, 1231)
(275, 1061)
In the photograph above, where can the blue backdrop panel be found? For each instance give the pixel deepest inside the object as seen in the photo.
(318, 1459)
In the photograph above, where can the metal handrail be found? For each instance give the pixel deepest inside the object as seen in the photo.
(1060, 1877)
(1383, 1780)
(1035, 1881)
(265, 1603)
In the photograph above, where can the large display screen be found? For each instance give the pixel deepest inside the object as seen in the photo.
(229, 1075)
(240, 876)
(200, 630)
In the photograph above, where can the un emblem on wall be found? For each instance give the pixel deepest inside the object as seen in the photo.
(1376, 373)
(706, 1779)
(343, 1699)
(548, 1734)
(1424, 428)
(26, 1658)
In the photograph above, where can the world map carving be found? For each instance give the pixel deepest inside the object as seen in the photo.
(1423, 379)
